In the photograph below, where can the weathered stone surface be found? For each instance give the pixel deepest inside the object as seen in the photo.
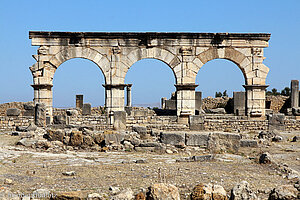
(86, 109)
(284, 192)
(196, 139)
(126, 194)
(88, 140)
(248, 143)
(13, 112)
(40, 115)
(276, 121)
(222, 142)
(202, 192)
(113, 137)
(242, 191)
(79, 101)
(142, 131)
(219, 193)
(239, 103)
(161, 191)
(196, 158)
(172, 138)
(72, 112)
(216, 111)
(196, 122)
(55, 135)
(27, 142)
(296, 139)
(74, 195)
(294, 93)
(119, 120)
(140, 196)
(31, 127)
(76, 138)
(96, 196)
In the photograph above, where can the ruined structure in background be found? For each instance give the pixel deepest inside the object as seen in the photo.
(184, 53)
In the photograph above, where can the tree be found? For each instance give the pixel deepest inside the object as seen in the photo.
(286, 91)
(218, 94)
(225, 94)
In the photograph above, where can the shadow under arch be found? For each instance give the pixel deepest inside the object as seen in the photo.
(161, 77)
(78, 76)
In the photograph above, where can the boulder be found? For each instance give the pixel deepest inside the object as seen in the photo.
(126, 194)
(140, 196)
(99, 138)
(13, 112)
(27, 142)
(172, 138)
(265, 158)
(76, 138)
(88, 140)
(162, 191)
(72, 112)
(113, 137)
(202, 192)
(31, 127)
(242, 191)
(142, 131)
(96, 196)
(73, 195)
(219, 193)
(284, 192)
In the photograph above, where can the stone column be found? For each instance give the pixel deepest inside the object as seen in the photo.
(79, 101)
(43, 94)
(294, 93)
(128, 89)
(185, 101)
(255, 100)
(114, 94)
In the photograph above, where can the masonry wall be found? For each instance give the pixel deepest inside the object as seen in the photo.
(10, 123)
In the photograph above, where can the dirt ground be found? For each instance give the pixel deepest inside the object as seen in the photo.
(31, 169)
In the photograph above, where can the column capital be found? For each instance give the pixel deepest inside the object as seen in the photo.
(118, 86)
(262, 87)
(42, 86)
(189, 86)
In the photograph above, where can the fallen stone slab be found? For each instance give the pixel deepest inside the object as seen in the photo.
(248, 143)
(172, 138)
(196, 158)
(196, 139)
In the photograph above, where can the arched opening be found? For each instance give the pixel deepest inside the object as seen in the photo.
(78, 76)
(217, 81)
(151, 80)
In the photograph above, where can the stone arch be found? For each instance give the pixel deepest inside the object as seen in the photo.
(80, 52)
(160, 54)
(227, 53)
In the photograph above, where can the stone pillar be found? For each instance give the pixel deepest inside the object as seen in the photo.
(255, 100)
(294, 93)
(128, 89)
(163, 103)
(79, 101)
(198, 102)
(43, 94)
(239, 103)
(185, 101)
(114, 100)
(40, 114)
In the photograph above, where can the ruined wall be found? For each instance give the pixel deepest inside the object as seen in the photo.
(218, 102)
(10, 123)
(277, 103)
(19, 105)
(233, 123)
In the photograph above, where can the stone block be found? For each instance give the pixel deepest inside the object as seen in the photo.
(113, 137)
(221, 141)
(173, 138)
(196, 139)
(29, 109)
(196, 122)
(13, 112)
(216, 111)
(119, 120)
(86, 109)
(170, 104)
(40, 114)
(239, 103)
(276, 121)
(248, 143)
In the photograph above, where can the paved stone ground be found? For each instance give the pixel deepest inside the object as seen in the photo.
(30, 169)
